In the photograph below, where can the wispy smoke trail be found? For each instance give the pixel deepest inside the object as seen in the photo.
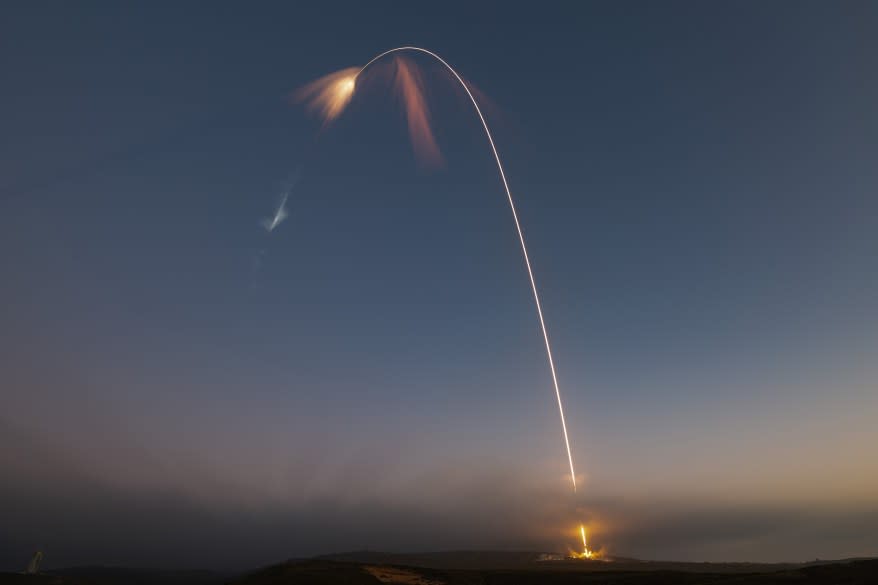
(271, 223)
(409, 84)
(281, 214)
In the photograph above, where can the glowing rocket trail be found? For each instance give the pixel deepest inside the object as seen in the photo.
(329, 96)
(587, 554)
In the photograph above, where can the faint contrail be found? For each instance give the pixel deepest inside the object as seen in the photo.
(330, 94)
(281, 214)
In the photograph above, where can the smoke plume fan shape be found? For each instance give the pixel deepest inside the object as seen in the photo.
(329, 95)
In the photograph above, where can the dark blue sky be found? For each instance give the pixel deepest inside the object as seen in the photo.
(697, 185)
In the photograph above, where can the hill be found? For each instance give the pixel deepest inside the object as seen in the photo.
(475, 568)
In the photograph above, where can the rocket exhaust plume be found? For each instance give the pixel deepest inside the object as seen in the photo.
(410, 86)
(329, 95)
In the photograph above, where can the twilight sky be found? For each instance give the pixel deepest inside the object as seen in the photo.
(697, 185)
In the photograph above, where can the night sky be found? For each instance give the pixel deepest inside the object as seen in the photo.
(697, 183)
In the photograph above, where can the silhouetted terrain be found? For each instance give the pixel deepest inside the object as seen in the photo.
(475, 568)
(115, 576)
(484, 560)
(326, 572)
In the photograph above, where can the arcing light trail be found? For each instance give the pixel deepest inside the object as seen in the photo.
(330, 95)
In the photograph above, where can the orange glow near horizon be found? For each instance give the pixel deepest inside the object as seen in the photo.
(586, 552)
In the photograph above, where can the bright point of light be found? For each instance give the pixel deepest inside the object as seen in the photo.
(346, 86)
(329, 95)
